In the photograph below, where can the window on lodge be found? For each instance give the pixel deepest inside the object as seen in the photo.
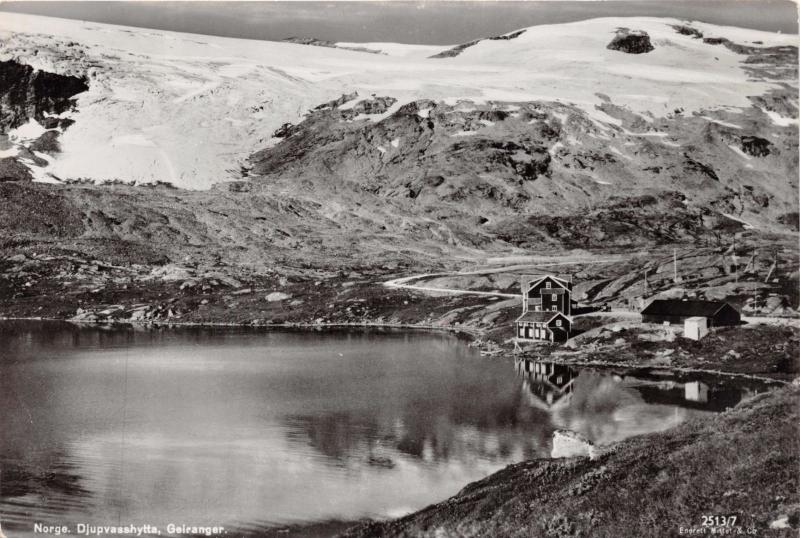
(554, 308)
(547, 285)
(558, 323)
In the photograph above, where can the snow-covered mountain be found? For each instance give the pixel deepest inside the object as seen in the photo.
(191, 109)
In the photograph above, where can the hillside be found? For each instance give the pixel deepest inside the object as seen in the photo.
(189, 109)
(746, 457)
(313, 161)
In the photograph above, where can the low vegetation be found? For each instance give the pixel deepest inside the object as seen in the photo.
(744, 464)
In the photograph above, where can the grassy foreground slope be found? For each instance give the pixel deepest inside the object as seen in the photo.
(743, 462)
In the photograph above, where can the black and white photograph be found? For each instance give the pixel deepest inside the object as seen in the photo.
(421, 269)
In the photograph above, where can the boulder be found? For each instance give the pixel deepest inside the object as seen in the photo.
(631, 41)
(239, 186)
(171, 272)
(755, 146)
(285, 130)
(688, 30)
(277, 296)
(243, 291)
(568, 444)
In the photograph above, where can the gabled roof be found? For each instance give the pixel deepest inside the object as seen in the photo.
(529, 281)
(540, 316)
(678, 307)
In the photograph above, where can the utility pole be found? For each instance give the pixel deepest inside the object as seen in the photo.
(750, 266)
(774, 265)
(674, 264)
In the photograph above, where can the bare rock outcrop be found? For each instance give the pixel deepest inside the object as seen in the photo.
(458, 49)
(631, 41)
(755, 146)
(27, 93)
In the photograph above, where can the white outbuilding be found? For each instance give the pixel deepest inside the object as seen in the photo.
(695, 327)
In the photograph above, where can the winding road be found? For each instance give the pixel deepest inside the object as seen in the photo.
(405, 282)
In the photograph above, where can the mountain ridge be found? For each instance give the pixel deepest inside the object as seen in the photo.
(155, 96)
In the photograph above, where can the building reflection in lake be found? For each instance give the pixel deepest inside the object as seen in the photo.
(608, 406)
(546, 383)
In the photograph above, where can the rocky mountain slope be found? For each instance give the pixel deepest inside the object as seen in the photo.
(190, 109)
(321, 161)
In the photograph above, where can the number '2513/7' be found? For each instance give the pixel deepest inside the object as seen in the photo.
(719, 521)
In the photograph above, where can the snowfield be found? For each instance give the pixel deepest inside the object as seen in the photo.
(189, 109)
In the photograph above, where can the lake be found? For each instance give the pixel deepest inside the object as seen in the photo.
(260, 430)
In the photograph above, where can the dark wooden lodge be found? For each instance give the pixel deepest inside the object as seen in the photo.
(541, 325)
(675, 311)
(546, 309)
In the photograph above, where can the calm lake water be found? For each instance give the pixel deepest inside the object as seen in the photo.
(256, 430)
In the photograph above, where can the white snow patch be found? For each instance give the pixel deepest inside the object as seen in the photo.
(40, 175)
(396, 143)
(657, 134)
(487, 123)
(375, 118)
(723, 123)
(746, 224)
(561, 116)
(44, 156)
(381, 149)
(739, 152)
(10, 152)
(464, 133)
(424, 113)
(236, 70)
(51, 115)
(137, 139)
(601, 118)
(780, 523)
(28, 131)
(347, 105)
(618, 152)
(779, 120)
(555, 147)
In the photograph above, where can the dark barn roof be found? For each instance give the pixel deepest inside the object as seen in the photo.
(678, 307)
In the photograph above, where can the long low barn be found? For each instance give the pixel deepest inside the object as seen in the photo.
(677, 311)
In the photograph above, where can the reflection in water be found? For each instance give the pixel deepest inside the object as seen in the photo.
(606, 407)
(254, 429)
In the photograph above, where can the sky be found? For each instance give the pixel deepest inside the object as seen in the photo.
(433, 22)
